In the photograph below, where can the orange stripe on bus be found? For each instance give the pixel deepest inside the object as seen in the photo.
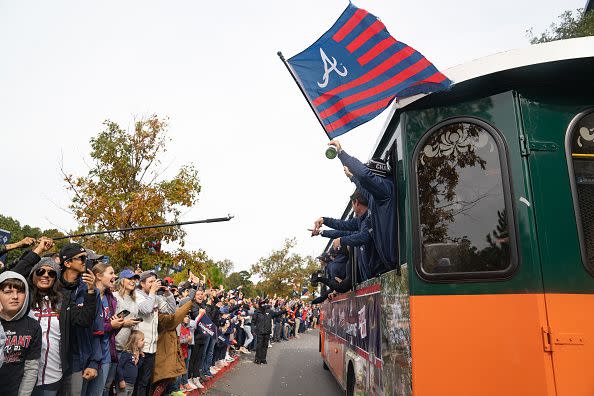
(480, 345)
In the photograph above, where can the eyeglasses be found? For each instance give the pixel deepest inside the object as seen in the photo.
(81, 258)
(42, 271)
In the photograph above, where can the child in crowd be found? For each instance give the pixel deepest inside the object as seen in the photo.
(19, 371)
(186, 338)
(130, 359)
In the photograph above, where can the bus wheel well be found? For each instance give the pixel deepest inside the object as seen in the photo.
(350, 382)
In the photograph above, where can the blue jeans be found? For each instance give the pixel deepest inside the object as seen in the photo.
(248, 335)
(208, 354)
(110, 377)
(96, 385)
(39, 392)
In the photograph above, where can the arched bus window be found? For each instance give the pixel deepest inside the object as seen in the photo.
(464, 204)
(580, 148)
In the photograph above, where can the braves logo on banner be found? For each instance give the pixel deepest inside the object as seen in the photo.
(362, 70)
(330, 66)
(207, 326)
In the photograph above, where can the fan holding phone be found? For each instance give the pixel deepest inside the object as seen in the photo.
(127, 308)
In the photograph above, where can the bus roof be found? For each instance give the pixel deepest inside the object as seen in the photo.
(493, 70)
(535, 54)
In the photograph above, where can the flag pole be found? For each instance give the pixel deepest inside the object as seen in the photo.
(214, 220)
(290, 69)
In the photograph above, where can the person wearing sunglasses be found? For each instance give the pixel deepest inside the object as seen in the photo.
(45, 302)
(77, 311)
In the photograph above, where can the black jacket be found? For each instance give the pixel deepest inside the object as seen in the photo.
(199, 337)
(73, 315)
(262, 320)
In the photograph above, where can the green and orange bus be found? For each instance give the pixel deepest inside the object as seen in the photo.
(495, 293)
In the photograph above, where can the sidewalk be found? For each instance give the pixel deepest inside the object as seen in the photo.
(210, 383)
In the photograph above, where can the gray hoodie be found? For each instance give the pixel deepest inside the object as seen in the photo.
(14, 275)
(30, 366)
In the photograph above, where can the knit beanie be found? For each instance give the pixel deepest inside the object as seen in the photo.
(47, 262)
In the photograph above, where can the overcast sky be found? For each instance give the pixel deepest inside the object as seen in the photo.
(211, 67)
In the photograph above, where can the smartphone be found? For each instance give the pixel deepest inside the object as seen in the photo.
(123, 314)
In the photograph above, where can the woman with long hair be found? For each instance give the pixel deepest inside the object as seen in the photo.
(45, 302)
(126, 308)
(125, 294)
(105, 333)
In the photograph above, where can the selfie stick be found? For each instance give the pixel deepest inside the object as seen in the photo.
(213, 220)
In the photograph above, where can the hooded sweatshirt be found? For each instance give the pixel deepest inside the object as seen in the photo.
(23, 348)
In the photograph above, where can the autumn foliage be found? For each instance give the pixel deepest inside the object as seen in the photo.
(125, 187)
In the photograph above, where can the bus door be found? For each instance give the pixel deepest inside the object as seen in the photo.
(558, 142)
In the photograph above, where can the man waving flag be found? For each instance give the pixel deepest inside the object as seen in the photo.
(356, 69)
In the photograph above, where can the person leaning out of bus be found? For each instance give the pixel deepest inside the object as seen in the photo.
(374, 181)
(355, 232)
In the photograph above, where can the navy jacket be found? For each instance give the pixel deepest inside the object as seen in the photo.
(338, 267)
(126, 369)
(367, 257)
(86, 349)
(381, 194)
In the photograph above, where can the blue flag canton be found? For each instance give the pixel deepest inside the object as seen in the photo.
(207, 326)
(356, 69)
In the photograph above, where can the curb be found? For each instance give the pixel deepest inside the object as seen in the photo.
(210, 383)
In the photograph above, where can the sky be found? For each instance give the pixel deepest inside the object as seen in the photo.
(233, 109)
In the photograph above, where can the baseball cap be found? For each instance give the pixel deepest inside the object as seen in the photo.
(128, 274)
(70, 250)
(378, 167)
(147, 274)
(93, 256)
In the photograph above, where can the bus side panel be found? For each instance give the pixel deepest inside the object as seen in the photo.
(335, 357)
(572, 326)
(396, 359)
(333, 340)
(480, 345)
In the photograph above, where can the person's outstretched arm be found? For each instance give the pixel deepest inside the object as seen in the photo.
(375, 185)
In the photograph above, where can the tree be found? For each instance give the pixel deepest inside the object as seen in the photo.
(571, 25)
(283, 272)
(225, 266)
(19, 232)
(125, 188)
(237, 279)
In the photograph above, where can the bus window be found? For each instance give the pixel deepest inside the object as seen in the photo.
(582, 159)
(463, 214)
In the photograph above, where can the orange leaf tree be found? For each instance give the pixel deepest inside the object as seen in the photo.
(125, 188)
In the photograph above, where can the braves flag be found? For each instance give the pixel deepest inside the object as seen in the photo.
(4, 238)
(356, 69)
(206, 325)
(224, 337)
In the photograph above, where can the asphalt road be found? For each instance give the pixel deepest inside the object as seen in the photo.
(294, 368)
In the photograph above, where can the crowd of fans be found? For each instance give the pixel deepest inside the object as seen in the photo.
(71, 326)
(370, 235)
